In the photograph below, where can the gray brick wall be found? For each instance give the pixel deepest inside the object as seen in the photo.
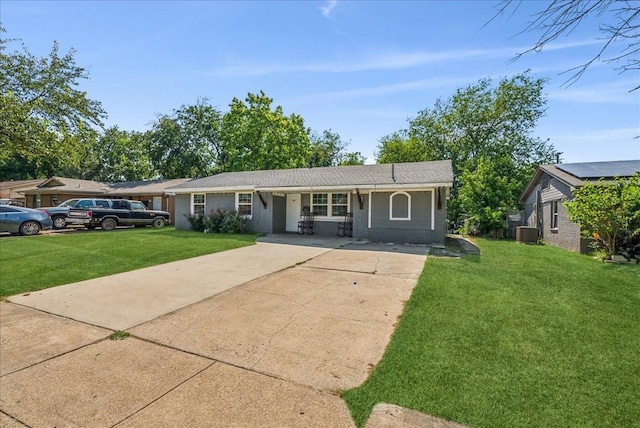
(567, 235)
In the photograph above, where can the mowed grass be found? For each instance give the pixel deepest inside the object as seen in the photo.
(521, 336)
(34, 263)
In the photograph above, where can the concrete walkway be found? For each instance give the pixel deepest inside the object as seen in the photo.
(258, 336)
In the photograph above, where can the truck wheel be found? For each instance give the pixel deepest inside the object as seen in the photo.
(158, 222)
(109, 224)
(59, 223)
(29, 228)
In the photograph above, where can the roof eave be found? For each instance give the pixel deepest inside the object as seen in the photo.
(290, 189)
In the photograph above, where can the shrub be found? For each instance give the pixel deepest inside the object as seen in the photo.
(196, 221)
(218, 221)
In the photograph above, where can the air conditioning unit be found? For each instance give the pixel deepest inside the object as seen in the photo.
(526, 234)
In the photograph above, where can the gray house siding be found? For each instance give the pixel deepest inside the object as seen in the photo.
(416, 230)
(360, 217)
(529, 208)
(272, 218)
(183, 207)
(567, 234)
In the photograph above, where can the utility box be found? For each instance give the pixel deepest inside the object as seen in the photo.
(527, 234)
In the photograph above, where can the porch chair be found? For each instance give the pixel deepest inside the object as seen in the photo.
(345, 228)
(305, 224)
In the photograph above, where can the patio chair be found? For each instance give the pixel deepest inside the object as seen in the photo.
(305, 224)
(345, 228)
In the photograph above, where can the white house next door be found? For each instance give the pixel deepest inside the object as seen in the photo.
(293, 212)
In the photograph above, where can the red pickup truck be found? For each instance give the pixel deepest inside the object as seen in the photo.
(121, 213)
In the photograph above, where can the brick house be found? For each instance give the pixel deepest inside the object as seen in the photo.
(551, 185)
(403, 202)
(55, 190)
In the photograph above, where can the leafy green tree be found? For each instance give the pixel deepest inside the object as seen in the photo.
(478, 122)
(352, 158)
(42, 113)
(605, 210)
(121, 156)
(259, 137)
(488, 193)
(187, 143)
(328, 149)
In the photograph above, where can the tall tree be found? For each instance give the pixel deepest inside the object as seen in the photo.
(328, 149)
(42, 112)
(259, 137)
(478, 122)
(619, 25)
(187, 143)
(121, 156)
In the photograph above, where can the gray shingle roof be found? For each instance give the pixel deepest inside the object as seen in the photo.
(590, 171)
(143, 187)
(366, 176)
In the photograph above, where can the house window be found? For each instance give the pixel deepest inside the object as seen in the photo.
(339, 204)
(554, 215)
(197, 203)
(244, 204)
(330, 204)
(400, 206)
(320, 204)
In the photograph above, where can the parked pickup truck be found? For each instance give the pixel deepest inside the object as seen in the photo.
(122, 213)
(60, 213)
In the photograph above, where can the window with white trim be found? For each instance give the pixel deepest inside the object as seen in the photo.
(554, 215)
(330, 204)
(198, 201)
(244, 202)
(400, 206)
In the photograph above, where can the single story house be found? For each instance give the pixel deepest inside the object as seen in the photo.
(553, 184)
(403, 202)
(51, 192)
(10, 190)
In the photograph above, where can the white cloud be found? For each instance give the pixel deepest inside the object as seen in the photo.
(385, 90)
(378, 61)
(383, 60)
(328, 7)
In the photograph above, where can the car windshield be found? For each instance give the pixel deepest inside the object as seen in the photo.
(69, 203)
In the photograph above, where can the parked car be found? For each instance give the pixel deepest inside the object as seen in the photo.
(122, 213)
(60, 213)
(25, 221)
(8, 201)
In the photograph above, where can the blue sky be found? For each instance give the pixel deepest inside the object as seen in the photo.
(358, 68)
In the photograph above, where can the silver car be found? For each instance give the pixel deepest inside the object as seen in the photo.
(25, 221)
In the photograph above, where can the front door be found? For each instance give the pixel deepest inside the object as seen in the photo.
(293, 212)
(157, 203)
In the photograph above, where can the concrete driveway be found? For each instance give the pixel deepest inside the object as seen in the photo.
(258, 336)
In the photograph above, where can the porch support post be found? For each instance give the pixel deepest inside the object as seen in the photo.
(433, 209)
(369, 209)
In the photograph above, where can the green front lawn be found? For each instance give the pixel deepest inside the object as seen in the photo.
(34, 263)
(521, 336)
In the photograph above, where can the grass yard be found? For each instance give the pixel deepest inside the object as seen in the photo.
(34, 263)
(521, 336)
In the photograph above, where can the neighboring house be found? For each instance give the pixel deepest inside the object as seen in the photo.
(55, 190)
(551, 185)
(51, 192)
(11, 190)
(405, 202)
(153, 193)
